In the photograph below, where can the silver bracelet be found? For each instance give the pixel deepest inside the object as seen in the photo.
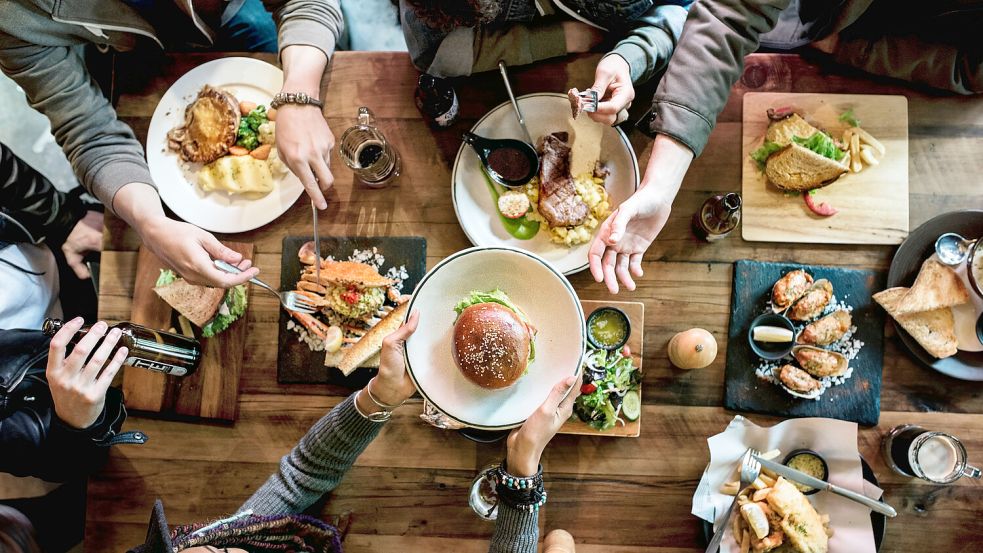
(380, 404)
(380, 416)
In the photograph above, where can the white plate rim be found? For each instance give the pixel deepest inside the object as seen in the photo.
(468, 251)
(195, 76)
(508, 105)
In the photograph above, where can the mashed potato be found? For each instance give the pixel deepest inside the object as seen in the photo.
(591, 190)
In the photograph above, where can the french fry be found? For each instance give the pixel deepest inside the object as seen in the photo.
(770, 480)
(736, 527)
(758, 484)
(868, 139)
(760, 494)
(730, 488)
(855, 153)
(846, 136)
(867, 154)
(746, 542)
(770, 455)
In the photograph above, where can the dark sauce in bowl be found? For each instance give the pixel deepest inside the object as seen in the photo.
(510, 164)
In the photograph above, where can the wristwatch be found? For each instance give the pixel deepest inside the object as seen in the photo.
(281, 98)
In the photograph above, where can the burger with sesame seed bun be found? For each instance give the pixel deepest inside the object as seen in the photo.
(493, 339)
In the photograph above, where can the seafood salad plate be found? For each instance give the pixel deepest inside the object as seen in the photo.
(586, 171)
(361, 297)
(805, 341)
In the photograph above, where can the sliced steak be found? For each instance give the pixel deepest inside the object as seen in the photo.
(559, 203)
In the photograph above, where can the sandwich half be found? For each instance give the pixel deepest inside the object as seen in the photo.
(797, 156)
(211, 309)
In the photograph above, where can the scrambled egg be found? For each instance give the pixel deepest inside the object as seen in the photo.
(237, 175)
(591, 191)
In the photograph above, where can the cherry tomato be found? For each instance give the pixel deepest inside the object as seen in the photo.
(588, 388)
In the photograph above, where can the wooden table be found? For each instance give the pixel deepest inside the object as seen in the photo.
(408, 490)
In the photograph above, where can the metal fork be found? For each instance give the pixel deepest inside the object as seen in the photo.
(289, 300)
(591, 99)
(750, 468)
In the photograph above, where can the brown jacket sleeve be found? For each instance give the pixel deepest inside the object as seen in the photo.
(915, 60)
(707, 62)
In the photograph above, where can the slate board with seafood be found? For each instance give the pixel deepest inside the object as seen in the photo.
(298, 363)
(857, 398)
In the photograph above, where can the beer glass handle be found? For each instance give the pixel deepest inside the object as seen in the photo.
(365, 116)
(972, 472)
(229, 268)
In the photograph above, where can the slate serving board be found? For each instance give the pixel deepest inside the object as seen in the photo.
(858, 399)
(296, 363)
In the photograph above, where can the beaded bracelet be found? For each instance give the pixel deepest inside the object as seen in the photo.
(524, 493)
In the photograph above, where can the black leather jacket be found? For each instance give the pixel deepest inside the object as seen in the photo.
(31, 209)
(33, 440)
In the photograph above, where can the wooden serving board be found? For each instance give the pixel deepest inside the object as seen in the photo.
(636, 315)
(210, 393)
(858, 399)
(872, 204)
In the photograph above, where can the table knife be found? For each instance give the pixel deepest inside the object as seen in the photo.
(317, 245)
(812, 482)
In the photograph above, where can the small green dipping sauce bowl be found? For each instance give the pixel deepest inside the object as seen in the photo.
(608, 328)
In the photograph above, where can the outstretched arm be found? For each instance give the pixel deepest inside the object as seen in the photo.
(317, 464)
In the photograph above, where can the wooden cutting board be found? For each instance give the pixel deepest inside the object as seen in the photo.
(210, 393)
(872, 204)
(636, 315)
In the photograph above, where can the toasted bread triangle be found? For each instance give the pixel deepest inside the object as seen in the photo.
(935, 287)
(798, 168)
(934, 330)
(197, 303)
(371, 343)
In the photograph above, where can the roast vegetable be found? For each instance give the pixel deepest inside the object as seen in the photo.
(822, 144)
(248, 135)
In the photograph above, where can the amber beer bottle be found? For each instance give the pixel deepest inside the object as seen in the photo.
(717, 217)
(151, 349)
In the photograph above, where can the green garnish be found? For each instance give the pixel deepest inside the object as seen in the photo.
(617, 380)
(822, 144)
(761, 154)
(248, 135)
(166, 277)
(849, 118)
(234, 305)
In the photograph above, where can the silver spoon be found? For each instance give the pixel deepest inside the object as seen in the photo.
(953, 249)
(515, 105)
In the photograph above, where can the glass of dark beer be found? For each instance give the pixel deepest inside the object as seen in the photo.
(938, 457)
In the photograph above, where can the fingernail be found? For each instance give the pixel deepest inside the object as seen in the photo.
(100, 326)
(77, 320)
(114, 332)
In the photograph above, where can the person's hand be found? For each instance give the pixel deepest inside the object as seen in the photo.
(78, 388)
(304, 143)
(525, 444)
(581, 37)
(612, 81)
(85, 237)
(616, 252)
(190, 250)
(392, 385)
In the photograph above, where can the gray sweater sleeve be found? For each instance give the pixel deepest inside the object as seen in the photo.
(516, 531)
(317, 463)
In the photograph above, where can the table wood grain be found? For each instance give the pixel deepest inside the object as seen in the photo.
(408, 490)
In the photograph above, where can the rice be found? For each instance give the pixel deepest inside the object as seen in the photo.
(591, 190)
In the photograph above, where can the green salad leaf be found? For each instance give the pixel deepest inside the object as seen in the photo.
(822, 144)
(232, 307)
(166, 277)
(614, 376)
(761, 154)
(849, 118)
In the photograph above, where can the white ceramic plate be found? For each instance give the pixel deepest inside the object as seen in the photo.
(534, 285)
(246, 79)
(544, 113)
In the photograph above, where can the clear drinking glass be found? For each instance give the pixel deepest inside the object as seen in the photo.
(937, 457)
(366, 151)
(483, 498)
